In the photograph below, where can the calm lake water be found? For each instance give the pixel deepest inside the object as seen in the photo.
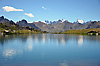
(49, 50)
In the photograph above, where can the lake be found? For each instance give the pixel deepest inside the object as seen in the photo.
(49, 50)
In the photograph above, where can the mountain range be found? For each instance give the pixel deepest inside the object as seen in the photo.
(55, 26)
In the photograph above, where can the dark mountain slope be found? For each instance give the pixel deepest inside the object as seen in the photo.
(24, 23)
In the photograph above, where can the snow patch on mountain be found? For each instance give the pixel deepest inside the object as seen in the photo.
(80, 21)
(53, 22)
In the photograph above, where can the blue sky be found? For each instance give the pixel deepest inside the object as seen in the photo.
(40, 10)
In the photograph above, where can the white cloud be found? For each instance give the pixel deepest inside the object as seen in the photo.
(43, 7)
(9, 8)
(30, 14)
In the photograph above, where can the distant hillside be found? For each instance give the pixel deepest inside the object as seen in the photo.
(61, 26)
(11, 27)
(55, 26)
(24, 23)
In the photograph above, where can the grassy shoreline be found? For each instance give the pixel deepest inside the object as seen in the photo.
(36, 31)
(16, 31)
(83, 31)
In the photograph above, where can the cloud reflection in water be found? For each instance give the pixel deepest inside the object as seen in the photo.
(64, 63)
(9, 53)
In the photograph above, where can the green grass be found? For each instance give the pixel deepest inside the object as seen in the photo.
(25, 32)
(81, 31)
(17, 31)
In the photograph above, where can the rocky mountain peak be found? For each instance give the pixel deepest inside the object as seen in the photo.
(2, 17)
(23, 21)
